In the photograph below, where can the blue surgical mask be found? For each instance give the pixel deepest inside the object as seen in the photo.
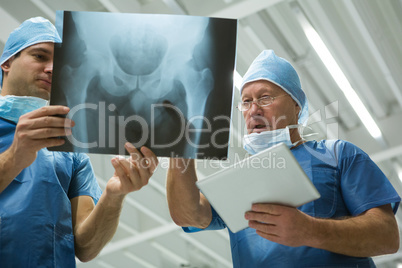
(256, 142)
(12, 107)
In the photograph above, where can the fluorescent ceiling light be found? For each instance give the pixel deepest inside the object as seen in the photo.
(339, 76)
(237, 79)
(398, 169)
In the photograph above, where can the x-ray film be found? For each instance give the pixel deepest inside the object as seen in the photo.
(161, 81)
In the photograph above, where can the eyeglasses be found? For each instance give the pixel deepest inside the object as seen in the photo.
(261, 102)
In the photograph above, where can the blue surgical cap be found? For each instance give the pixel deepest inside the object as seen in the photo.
(267, 66)
(30, 32)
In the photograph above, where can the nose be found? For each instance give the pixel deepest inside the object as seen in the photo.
(49, 67)
(255, 109)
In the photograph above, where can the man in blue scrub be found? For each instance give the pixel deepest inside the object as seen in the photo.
(47, 199)
(351, 222)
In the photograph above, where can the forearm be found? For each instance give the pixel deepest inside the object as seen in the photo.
(187, 206)
(98, 228)
(370, 234)
(9, 168)
(94, 226)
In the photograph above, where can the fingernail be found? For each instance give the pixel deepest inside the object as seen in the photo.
(130, 145)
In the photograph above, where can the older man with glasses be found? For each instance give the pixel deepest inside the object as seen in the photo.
(351, 222)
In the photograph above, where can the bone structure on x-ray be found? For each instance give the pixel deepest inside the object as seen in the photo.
(156, 76)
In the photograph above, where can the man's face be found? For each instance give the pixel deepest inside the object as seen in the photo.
(283, 111)
(30, 74)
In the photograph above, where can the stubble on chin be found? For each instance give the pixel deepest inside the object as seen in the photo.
(39, 93)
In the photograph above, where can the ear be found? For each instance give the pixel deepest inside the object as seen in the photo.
(297, 109)
(6, 65)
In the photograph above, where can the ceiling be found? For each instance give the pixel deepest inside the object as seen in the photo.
(365, 39)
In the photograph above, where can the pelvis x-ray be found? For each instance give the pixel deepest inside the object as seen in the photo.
(161, 81)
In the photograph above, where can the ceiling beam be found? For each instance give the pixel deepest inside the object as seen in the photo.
(8, 24)
(386, 259)
(104, 264)
(206, 250)
(387, 154)
(244, 8)
(138, 260)
(335, 43)
(45, 9)
(142, 237)
(354, 14)
(171, 255)
(109, 6)
(166, 227)
(175, 7)
(135, 204)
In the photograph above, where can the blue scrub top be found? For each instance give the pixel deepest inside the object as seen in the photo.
(35, 210)
(349, 183)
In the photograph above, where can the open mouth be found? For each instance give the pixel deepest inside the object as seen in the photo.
(257, 124)
(259, 128)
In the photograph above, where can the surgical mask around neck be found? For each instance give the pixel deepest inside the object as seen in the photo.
(256, 142)
(12, 107)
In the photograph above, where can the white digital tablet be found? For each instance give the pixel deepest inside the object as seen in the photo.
(271, 176)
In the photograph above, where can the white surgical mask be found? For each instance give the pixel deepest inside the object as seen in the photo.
(12, 107)
(256, 142)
